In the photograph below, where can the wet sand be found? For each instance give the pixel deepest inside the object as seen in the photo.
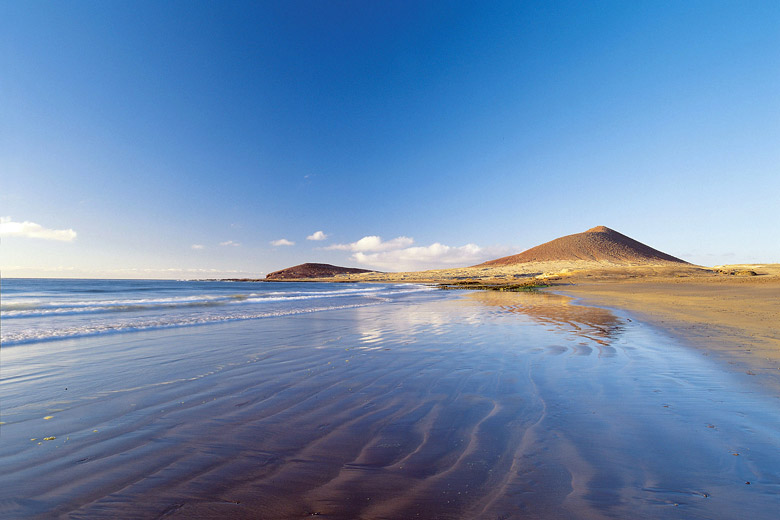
(733, 319)
(456, 405)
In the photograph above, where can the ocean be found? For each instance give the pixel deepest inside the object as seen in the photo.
(35, 310)
(180, 399)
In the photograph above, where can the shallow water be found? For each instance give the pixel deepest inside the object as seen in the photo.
(433, 405)
(37, 310)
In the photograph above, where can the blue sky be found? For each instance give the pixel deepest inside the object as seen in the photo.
(187, 139)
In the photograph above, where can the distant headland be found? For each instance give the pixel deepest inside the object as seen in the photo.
(311, 270)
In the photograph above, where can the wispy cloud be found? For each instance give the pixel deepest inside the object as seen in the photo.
(317, 235)
(282, 242)
(197, 246)
(9, 228)
(230, 243)
(373, 243)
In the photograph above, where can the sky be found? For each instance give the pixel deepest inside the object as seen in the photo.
(194, 139)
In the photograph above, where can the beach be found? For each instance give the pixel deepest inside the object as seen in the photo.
(363, 260)
(731, 318)
(430, 404)
(714, 310)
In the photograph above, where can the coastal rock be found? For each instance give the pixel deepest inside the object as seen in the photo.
(310, 270)
(737, 272)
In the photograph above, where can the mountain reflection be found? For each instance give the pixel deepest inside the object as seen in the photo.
(555, 310)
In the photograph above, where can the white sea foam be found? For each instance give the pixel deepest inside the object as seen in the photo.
(38, 335)
(68, 312)
(36, 309)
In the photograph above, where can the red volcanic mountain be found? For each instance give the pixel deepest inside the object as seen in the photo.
(313, 271)
(599, 244)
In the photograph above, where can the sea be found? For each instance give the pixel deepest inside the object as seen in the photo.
(286, 400)
(37, 310)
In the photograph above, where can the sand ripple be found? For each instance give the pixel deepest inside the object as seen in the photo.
(488, 406)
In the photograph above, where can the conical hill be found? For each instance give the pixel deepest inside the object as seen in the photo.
(599, 244)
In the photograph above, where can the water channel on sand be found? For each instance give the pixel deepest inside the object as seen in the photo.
(441, 405)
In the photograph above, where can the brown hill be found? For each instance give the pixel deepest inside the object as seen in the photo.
(599, 244)
(310, 270)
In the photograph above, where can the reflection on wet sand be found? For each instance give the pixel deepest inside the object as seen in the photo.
(556, 311)
(475, 405)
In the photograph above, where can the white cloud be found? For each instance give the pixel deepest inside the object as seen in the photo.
(398, 254)
(374, 244)
(230, 243)
(9, 228)
(317, 235)
(282, 242)
(197, 246)
(434, 256)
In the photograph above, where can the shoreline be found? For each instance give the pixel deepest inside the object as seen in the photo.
(483, 404)
(718, 311)
(734, 321)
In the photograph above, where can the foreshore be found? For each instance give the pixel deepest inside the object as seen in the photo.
(733, 319)
(722, 311)
(395, 404)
